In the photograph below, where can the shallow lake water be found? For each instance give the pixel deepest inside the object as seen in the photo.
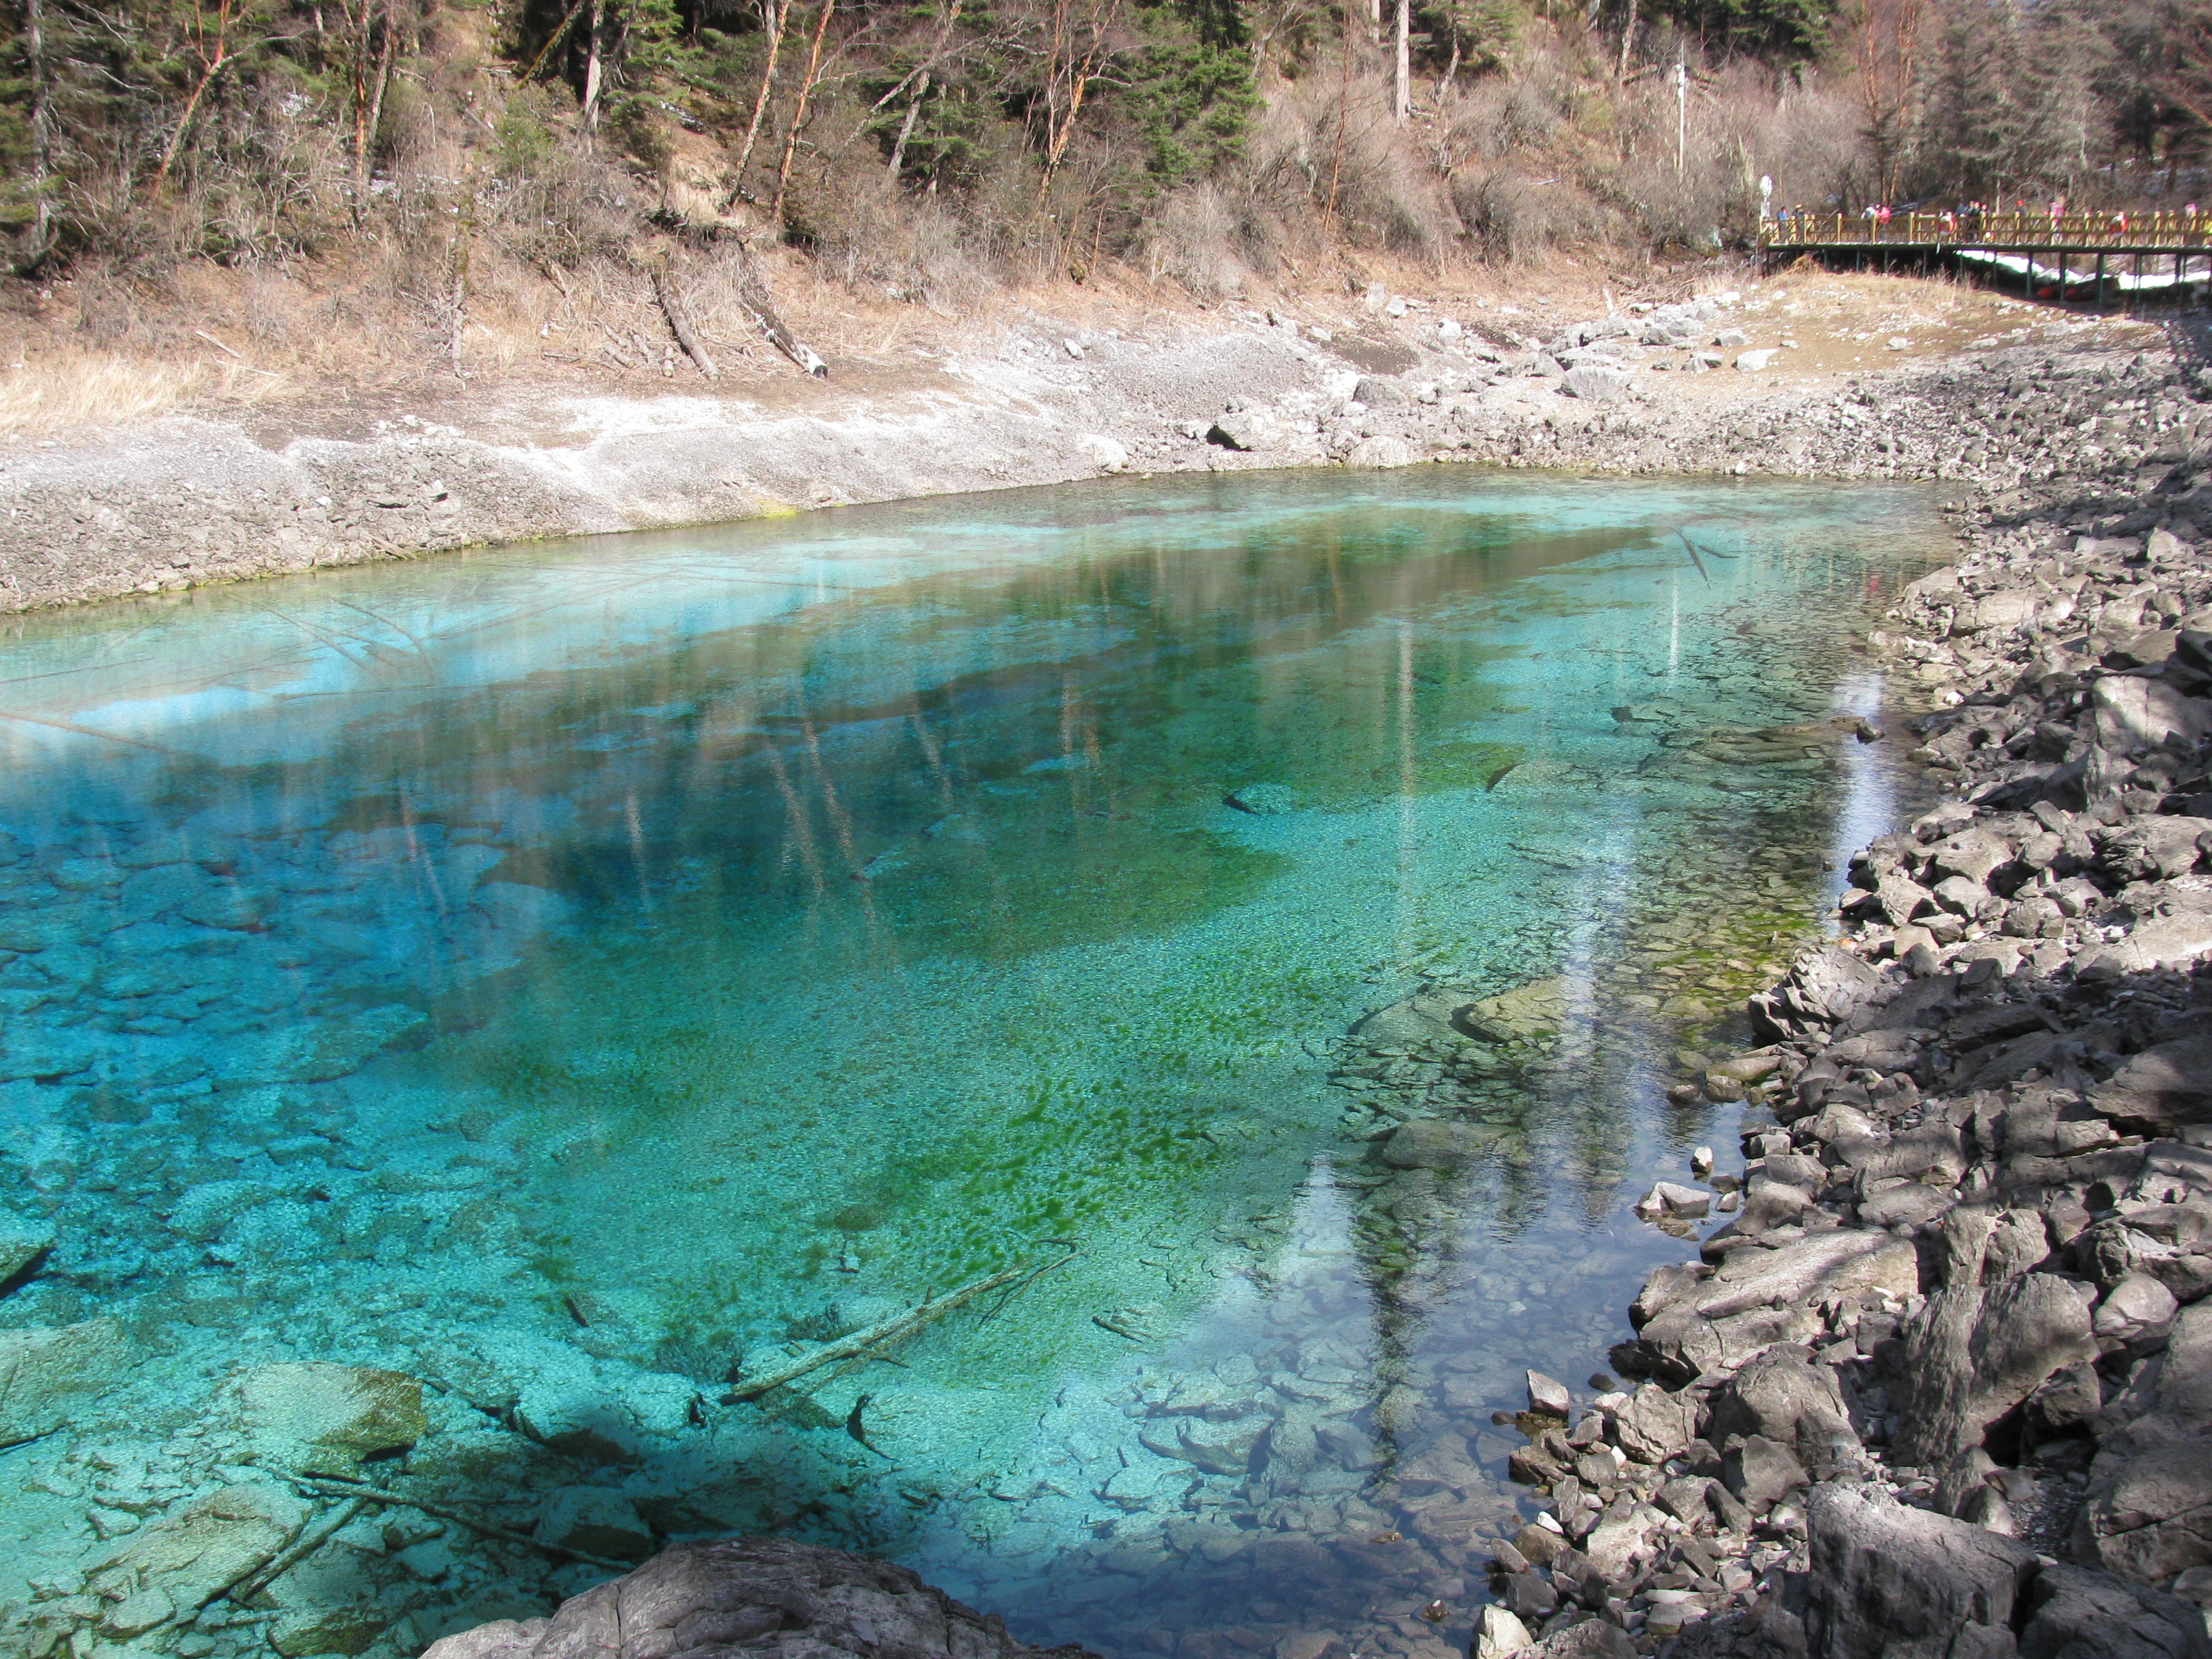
(585, 978)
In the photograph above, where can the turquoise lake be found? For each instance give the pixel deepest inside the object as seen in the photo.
(586, 977)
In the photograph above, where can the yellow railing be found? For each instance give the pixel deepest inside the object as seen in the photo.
(2166, 228)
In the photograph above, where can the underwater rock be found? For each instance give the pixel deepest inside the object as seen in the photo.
(328, 1603)
(1528, 1013)
(43, 1370)
(1431, 1143)
(748, 1597)
(189, 1556)
(23, 1240)
(1426, 1017)
(598, 1520)
(315, 1051)
(317, 1418)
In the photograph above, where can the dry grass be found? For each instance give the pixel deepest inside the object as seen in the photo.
(64, 391)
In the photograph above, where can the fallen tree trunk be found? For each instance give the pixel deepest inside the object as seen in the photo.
(754, 292)
(874, 1336)
(679, 324)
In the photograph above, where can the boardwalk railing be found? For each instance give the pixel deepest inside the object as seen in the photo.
(2166, 231)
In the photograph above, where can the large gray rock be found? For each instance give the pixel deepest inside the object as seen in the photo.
(1760, 1473)
(1595, 382)
(1760, 1297)
(2169, 1084)
(1892, 1582)
(44, 1371)
(750, 1598)
(2149, 1511)
(1974, 1352)
(1592, 1638)
(1784, 1396)
(1655, 1425)
(2075, 1613)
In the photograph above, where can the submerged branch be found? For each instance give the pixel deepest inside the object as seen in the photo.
(876, 1335)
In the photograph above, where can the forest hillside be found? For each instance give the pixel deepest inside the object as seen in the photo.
(373, 189)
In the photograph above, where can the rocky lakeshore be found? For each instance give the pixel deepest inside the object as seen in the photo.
(1938, 1382)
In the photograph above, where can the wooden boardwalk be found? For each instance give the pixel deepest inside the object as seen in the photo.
(2097, 257)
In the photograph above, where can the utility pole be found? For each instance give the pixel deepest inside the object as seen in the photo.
(1681, 118)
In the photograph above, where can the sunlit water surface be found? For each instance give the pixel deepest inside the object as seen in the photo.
(578, 974)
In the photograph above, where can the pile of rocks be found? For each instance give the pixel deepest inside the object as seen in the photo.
(1942, 1382)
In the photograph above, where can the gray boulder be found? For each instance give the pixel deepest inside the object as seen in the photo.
(1758, 1297)
(1892, 1582)
(2075, 1613)
(1973, 1353)
(2169, 1084)
(752, 1598)
(2149, 1509)
(1784, 1396)
(1592, 1638)
(1595, 382)
(1655, 1425)
(1760, 1473)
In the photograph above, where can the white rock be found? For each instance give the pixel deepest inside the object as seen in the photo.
(1104, 453)
(1500, 1633)
(1074, 349)
(1595, 383)
(1381, 449)
(1752, 361)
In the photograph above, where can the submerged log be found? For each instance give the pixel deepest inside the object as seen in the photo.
(897, 1327)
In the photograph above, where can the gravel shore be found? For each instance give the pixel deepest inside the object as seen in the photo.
(1938, 1384)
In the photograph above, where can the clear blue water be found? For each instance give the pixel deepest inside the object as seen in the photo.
(577, 974)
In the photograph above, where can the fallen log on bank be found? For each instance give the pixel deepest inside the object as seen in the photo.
(680, 322)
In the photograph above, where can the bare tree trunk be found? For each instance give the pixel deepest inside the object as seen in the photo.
(460, 292)
(773, 16)
(798, 114)
(906, 127)
(1403, 101)
(1627, 42)
(754, 292)
(372, 116)
(595, 66)
(215, 63)
(1375, 22)
(35, 52)
(1343, 111)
